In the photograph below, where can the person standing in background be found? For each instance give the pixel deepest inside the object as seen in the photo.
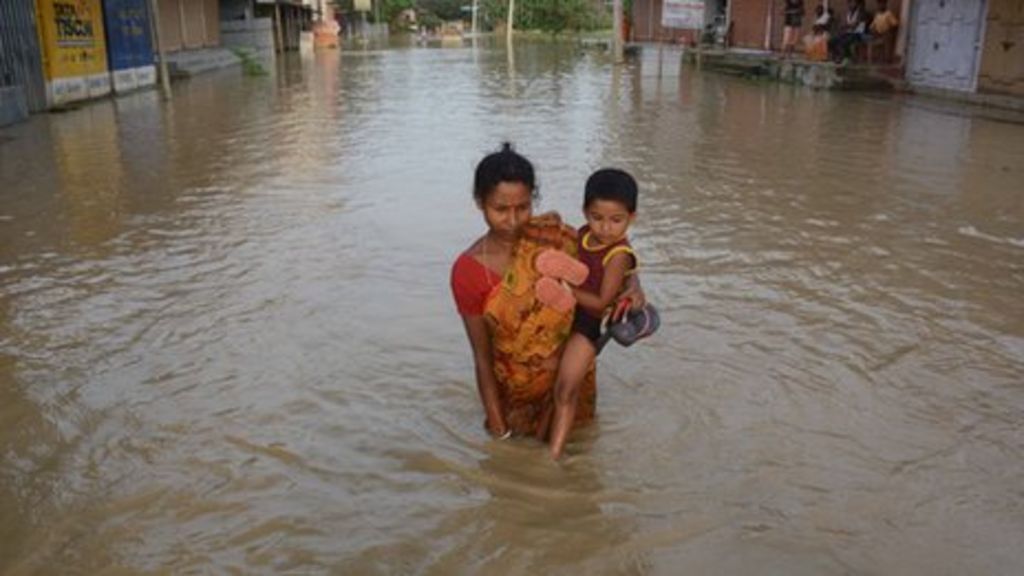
(794, 18)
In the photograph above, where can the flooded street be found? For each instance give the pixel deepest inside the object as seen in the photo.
(227, 342)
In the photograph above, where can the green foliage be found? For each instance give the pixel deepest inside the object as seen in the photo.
(429, 20)
(250, 66)
(444, 9)
(389, 9)
(392, 8)
(546, 15)
(549, 15)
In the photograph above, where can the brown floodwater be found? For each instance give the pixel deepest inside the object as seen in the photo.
(227, 343)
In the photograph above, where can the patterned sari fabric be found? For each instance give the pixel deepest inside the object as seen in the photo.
(527, 337)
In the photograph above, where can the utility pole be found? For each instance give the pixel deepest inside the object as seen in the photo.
(475, 8)
(617, 31)
(154, 32)
(511, 19)
(278, 28)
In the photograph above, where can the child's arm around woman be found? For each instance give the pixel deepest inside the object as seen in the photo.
(616, 271)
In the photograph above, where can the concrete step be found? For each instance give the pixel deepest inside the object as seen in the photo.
(821, 75)
(191, 62)
(864, 77)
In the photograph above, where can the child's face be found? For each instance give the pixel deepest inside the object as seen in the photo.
(609, 220)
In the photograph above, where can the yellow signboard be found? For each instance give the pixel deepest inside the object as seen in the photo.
(72, 36)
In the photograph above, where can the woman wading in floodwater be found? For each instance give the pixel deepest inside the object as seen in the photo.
(516, 341)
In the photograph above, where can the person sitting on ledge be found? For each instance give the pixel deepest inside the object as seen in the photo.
(884, 20)
(854, 32)
(817, 44)
(882, 29)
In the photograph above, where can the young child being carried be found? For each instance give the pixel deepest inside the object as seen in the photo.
(609, 206)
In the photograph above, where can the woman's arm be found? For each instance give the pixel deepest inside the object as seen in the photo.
(611, 286)
(486, 383)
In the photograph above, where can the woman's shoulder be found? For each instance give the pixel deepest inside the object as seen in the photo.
(467, 258)
(470, 282)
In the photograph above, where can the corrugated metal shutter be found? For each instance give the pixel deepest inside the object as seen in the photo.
(170, 24)
(212, 9)
(195, 26)
(21, 63)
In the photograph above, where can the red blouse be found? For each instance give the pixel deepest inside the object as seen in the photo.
(472, 282)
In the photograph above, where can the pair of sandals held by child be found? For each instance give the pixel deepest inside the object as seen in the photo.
(557, 267)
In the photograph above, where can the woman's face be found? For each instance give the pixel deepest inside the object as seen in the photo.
(507, 208)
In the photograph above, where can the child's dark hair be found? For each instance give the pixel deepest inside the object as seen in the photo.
(505, 165)
(611, 184)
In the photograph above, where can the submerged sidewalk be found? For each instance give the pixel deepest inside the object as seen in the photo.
(189, 63)
(819, 75)
(831, 76)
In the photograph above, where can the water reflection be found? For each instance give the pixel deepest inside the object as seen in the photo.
(91, 177)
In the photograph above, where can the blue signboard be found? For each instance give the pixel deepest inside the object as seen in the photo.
(128, 39)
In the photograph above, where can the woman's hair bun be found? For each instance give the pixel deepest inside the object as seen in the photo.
(506, 165)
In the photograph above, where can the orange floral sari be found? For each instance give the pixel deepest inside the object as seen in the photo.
(527, 337)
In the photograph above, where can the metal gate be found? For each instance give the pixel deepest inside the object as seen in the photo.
(21, 64)
(945, 39)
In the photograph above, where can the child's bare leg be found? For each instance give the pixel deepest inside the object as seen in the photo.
(543, 431)
(576, 360)
(544, 426)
